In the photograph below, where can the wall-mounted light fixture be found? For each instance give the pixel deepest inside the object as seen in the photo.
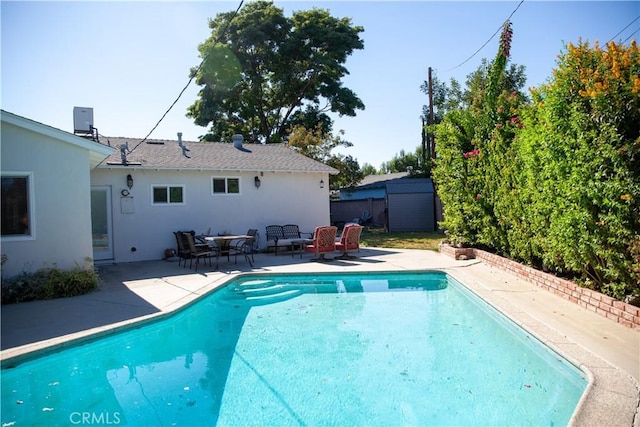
(129, 181)
(321, 183)
(256, 182)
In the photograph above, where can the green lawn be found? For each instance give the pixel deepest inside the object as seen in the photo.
(379, 238)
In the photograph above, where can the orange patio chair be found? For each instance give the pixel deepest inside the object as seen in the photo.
(349, 240)
(324, 241)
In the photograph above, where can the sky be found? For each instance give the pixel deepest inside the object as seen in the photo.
(129, 60)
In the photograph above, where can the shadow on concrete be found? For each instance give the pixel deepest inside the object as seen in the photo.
(30, 322)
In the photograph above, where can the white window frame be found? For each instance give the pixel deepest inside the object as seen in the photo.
(168, 187)
(31, 207)
(226, 186)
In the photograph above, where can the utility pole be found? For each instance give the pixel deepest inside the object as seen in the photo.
(437, 210)
(424, 144)
(432, 142)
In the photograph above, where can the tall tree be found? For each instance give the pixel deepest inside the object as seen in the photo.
(404, 162)
(368, 169)
(318, 144)
(263, 72)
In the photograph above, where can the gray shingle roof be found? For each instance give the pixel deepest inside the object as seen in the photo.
(379, 181)
(410, 185)
(395, 182)
(166, 154)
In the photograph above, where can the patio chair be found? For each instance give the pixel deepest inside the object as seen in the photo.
(245, 247)
(198, 252)
(291, 231)
(274, 233)
(364, 218)
(183, 251)
(324, 241)
(349, 240)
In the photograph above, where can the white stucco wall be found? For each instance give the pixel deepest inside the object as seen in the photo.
(62, 209)
(283, 198)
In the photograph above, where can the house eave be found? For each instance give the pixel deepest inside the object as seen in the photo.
(97, 152)
(138, 166)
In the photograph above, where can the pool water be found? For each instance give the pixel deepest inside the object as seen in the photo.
(364, 349)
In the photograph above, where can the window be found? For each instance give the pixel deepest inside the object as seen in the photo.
(16, 205)
(168, 194)
(226, 185)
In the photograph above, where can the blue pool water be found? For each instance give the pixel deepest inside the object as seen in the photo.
(379, 349)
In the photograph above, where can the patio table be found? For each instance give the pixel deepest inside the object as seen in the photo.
(224, 242)
(298, 245)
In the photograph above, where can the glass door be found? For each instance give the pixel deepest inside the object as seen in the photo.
(101, 223)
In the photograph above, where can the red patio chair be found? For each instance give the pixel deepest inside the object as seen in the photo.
(324, 241)
(349, 240)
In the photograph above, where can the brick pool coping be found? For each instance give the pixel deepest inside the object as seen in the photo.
(618, 311)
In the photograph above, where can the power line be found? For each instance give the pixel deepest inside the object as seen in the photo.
(620, 32)
(630, 35)
(224, 30)
(487, 42)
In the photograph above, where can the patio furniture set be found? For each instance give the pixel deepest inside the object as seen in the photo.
(322, 241)
(192, 246)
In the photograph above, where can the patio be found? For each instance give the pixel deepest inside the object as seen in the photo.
(131, 292)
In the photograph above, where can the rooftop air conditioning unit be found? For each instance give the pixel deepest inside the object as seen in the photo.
(82, 120)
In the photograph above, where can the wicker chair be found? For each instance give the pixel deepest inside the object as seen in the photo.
(183, 251)
(198, 251)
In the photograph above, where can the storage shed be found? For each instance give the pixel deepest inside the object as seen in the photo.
(411, 205)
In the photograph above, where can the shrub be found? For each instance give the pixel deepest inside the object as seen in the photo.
(557, 182)
(581, 147)
(48, 283)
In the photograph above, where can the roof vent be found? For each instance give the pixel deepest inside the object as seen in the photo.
(237, 140)
(181, 145)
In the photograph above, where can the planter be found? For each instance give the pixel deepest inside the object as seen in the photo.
(457, 253)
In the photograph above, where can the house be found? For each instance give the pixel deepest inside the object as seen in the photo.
(146, 190)
(46, 203)
(398, 201)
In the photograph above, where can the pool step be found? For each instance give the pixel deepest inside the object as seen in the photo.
(254, 284)
(262, 292)
(273, 298)
(269, 290)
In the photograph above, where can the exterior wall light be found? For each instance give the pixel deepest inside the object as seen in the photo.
(129, 181)
(321, 183)
(256, 182)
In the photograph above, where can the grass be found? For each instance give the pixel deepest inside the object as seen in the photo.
(379, 238)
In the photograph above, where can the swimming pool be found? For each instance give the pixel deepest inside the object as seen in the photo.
(348, 349)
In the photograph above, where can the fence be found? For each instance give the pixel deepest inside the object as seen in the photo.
(343, 211)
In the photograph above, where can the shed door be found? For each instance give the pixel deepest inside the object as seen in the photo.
(101, 223)
(411, 212)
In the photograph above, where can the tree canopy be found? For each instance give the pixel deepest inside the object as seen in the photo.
(263, 73)
(318, 145)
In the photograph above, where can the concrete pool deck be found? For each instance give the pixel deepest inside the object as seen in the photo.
(607, 351)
